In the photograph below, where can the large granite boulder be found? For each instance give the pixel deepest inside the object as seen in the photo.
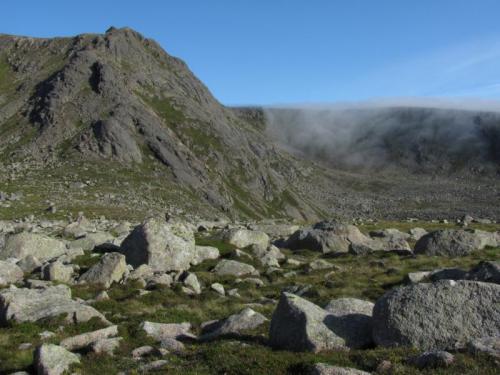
(31, 305)
(327, 237)
(52, 359)
(455, 242)
(110, 268)
(40, 246)
(300, 325)
(441, 316)
(165, 246)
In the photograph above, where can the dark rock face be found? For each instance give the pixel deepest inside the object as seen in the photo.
(485, 271)
(439, 316)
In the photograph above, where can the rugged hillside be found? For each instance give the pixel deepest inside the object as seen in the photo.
(119, 102)
(112, 125)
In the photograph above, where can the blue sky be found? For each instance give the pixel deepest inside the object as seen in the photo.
(277, 51)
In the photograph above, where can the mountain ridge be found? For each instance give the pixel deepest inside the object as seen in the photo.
(116, 114)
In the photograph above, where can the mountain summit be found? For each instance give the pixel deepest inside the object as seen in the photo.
(119, 97)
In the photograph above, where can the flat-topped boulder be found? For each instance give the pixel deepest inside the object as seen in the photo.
(328, 237)
(234, 268)
(244, 237)
(31, 305)
(455, 242)
(38, 245)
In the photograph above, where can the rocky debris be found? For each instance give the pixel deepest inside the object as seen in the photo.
(38, 245)
(203, 253)
(165, 246)
(327, 237)
(110, 268)
(234, 268)
(454, 242)
(31, 305)
(10, 273)
(247, 319)
(219, 288)
(419, 315)
(160, 331)
(29, 264)
(324, 369)
(433, 359)
(57, 271)
(487, 345)
(243, 237)
(300, 325)
(85, 340)
(52, 359)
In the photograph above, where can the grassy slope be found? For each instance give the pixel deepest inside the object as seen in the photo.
(364, 277)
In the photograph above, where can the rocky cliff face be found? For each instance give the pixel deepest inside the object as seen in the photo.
(120, 97)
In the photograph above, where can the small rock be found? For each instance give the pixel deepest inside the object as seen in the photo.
(172, 345)
(106, 346)
(85, 339)
(159, 331)
(219, 288)
(233, 268)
